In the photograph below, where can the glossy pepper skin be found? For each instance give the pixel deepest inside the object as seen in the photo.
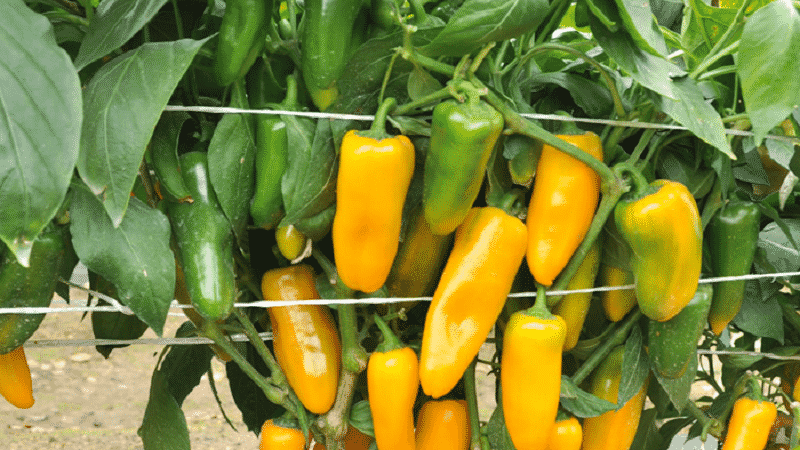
(749, 424)
(664, 232)
(732, 237)
(673, 343)
(275, 436)
(612, 429)
(305, 339)
(530, 376)
(373, 180)
(487, 252)
(443, 425)
(291, 242)
(15, 379)
(566, 434)
(462, 138)
(419, 260)
(327, 36)
(272, 150)
(616, 304)
(565, 195)
(574, 307)
(31, 286)
(205, 242)
(392, 384)
(242, 35)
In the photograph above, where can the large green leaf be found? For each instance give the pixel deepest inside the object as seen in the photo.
(122, 104)
(135, 256)
(114, 23)
(164, 424)
(310, 178)
(635, 367)
(678, 389)
(231, 163)
(581, 403)
(40, 123)
(761, 314)
(479, 22)
(641, 24)
(768, 65)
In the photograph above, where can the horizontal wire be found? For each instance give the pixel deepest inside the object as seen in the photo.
(41, 343)
(348, 301)
(556, 117)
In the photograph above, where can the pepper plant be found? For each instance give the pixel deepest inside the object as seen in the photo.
(480, 153)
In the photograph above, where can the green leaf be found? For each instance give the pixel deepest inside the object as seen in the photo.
(498, 178)
(249, 398)
(310, 178)
(591, 96)
(164, 425)
(496, 430)
(581, 403)
(778, 249)
(231, 164)
(361, 418)
(114, 23)
(761, 314)
(635, 367)
(123, 102)
(678, 389)
(185, 365)
(40, 122)
(702, 27)
(640, 22)
(767, 65)
(421, 83)
(647, 436)
(479, 22)
(135, 256)
(692, 111)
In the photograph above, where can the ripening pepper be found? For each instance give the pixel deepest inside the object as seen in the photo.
(612, 429)
(732, 238)
(242, 36)
(272, 150)
(663, 230)
(305, 339)
(392, 384)
(204, 241)
(616, 304)
(291, 242)
(530, 376)
(749, 425)
(15, 379)
(487, 252)
(31, 286)
(574, 307)
(462, 138)
(673, 343)
(419, 260)
(373, 180)
(443, 425)
(566, 434)
(327, 36)
(276, 435)
(565, 195)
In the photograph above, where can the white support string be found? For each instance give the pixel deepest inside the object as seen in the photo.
(556, 117)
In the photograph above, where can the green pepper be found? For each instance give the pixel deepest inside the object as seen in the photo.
(29, 287)
(732, 238)
(574, 307)
(272, 150)
(204, 241)
(462, 138)
(672, 344)
(242, 35)
(327, 35)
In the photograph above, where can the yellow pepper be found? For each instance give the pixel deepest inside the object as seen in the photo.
(565, 195)
(443, 425)
(15, 379)
(373, 180)
(487, 253)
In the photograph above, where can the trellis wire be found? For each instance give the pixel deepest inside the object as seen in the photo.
(369, 117)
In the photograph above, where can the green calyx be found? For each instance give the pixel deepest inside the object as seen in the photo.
(390, 341)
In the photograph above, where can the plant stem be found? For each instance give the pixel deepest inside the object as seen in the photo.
(521, 125)
(431, 98)
(715, 52)
(476, 443)
(709, 424)
(276, 374)
(708, 62)
(619, 336)
(428, 63)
